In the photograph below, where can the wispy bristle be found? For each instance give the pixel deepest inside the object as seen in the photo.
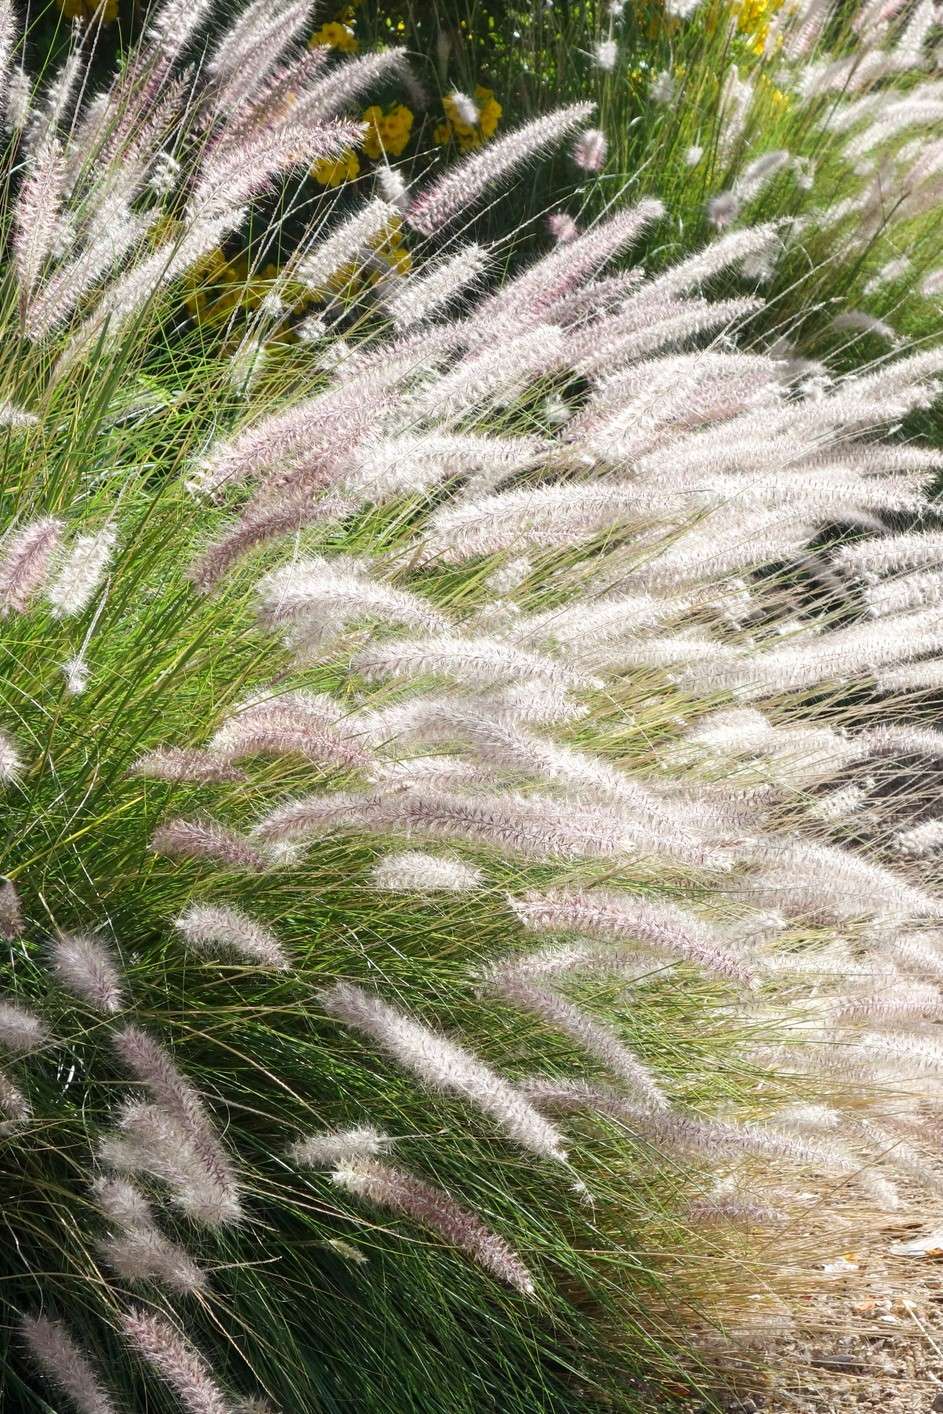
(25, 557)
(343, 1146)
(444, 201)
(137, 1251)
(14, 1105)
(66, 1365)
(11, 913)
(212, 928)
(401, 1192)
(81, 573)
(178, 763)
(20, 1030)
(178, 1363)
(206, 839)
(179, 1109)
(444, 1065)
(413, 870)
(86, 966)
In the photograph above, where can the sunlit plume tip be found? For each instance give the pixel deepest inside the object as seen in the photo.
(590, 149)
(178, 1363)
(182, 763)
(136, 1249)
(11, 762)
(25, 559)
(413, 871)
(340, 1146)
(439, 204)
(11, 911)
(20, 1030)
(206, 839)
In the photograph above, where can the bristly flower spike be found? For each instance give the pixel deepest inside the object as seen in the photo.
(35, 216)
(178, 1362)
(562, 227)
(66, 1365)
(417, 299)
(206, 839)
(605, 55)
(7, 40)
(341, 1146)
(11, 764)
(466, 107)
(401, 1192)
(11, 912)
(175, 1133)
(590, 149)
(439, 205)
(182, 763)
(20, 1031)
(413, 871)
(25, 557)
(444, 1065)
(137, 1250)
(214, 928)
(86, 966)
(319, 263)
(81, 573)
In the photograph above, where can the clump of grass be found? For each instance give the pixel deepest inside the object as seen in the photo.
(823, 118)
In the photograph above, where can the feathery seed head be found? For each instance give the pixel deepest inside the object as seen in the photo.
(85, 965)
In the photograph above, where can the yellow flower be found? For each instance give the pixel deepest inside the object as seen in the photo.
(469, 135)
(489, 111)
(389, 238)
(218, 285)
(752, 15)
(205, 284)
(335, 36)
(105, 11)
(332, 171)
(387, 132)
(388, 245)
(400, 261)
(753, 20)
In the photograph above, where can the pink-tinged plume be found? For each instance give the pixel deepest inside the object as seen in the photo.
(401, 1192)
(439, 205)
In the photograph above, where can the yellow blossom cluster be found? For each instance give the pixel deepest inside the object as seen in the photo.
(332, 171)
(103, 11)
(389, 247)
(387, 132)
(753, 20)
(453, 127)
(335, 35)
(220, 283)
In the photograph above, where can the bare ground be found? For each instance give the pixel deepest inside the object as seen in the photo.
(853, 1324)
